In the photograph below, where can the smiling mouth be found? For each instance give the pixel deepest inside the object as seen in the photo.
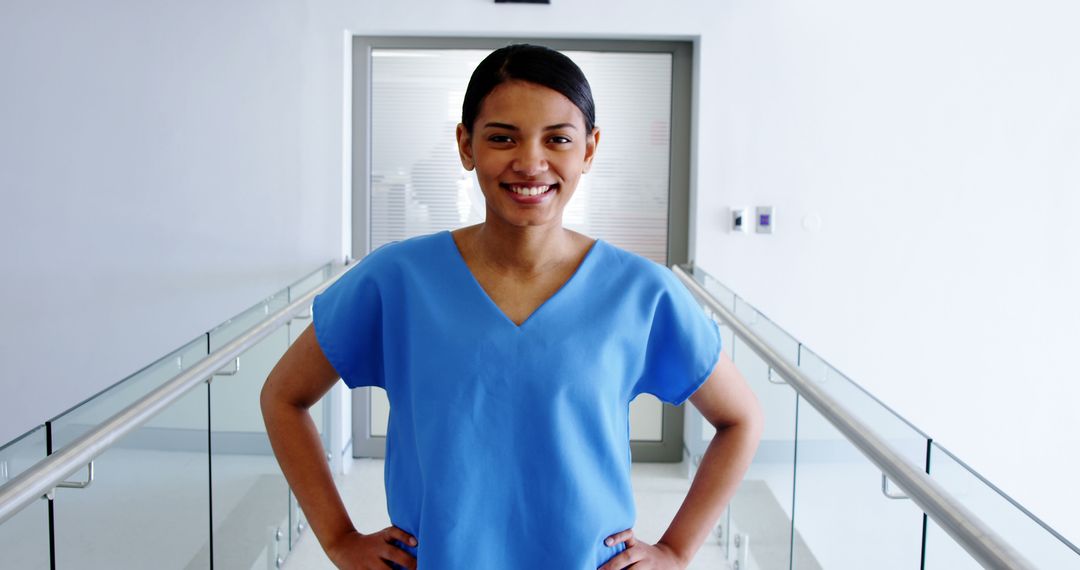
(529, 189)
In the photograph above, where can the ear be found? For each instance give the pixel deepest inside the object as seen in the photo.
(591, 141)
(464, 145)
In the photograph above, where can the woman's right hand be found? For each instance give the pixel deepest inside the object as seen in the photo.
(356, 551)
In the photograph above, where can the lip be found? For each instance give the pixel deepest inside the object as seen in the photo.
(539, 198)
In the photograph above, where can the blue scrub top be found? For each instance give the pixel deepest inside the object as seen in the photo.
(509, 446)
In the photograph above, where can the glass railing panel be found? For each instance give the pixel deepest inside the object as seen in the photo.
(759, 531)
(168, 456)
(238, 325)
(91, 413)
(149, 503)
(895, 430)
(251, 496)
(24, 538)
(1030, 537)
(717, 290)
(785, 345)
(309, 282)
(842, 517)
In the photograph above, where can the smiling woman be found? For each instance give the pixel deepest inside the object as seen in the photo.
(528, 129)
(510, 351)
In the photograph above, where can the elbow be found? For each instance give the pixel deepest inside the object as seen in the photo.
(749, 423)
(269, 396)
(265, 399)
(279, 395)
(754, 418)
(755, 422)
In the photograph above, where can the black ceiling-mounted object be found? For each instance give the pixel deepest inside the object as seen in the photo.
(523, 1)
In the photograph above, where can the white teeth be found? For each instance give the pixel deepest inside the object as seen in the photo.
(529, 190)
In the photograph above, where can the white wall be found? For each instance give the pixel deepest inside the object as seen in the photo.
(940, 145)
(936, 141)
(163, 165)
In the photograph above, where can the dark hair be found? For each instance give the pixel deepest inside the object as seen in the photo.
(535, 64)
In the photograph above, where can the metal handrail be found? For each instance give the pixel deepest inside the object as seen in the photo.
(978, 539)
(46, 475)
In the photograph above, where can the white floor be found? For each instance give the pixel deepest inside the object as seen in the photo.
(659, 489)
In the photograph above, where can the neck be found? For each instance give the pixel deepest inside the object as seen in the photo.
(522, 250)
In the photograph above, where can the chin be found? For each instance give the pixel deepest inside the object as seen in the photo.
(531, 221)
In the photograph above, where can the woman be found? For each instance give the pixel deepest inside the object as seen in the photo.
(510, 351)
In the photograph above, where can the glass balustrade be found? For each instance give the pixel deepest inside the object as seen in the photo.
(1027, 534)
(842, 512)
(24, 538)
(196, 486)
(811, 500)
(251, 496)
(70, 425)
(762, 508)
(150, 498)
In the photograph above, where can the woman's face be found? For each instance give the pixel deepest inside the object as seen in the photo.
(529, 148)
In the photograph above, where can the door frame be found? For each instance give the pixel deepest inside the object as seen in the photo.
(681, 192)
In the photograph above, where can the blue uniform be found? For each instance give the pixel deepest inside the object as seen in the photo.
(508, 446)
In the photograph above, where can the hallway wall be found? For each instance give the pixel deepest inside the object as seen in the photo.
(163, 166)
(939, 145)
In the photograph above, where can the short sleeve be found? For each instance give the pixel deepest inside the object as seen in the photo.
(683, 345)
(347, 317)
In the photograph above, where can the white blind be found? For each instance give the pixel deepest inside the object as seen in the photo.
(418, 185)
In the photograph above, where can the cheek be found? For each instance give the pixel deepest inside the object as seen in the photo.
(490, 166)
(570, 170)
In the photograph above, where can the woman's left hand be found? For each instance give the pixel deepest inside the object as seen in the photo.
(641, 556)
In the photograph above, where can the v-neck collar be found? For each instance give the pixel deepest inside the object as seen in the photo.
(460, 261)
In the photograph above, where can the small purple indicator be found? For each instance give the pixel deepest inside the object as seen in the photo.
(763, 220)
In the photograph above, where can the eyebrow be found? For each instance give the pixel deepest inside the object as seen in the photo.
(510, 127)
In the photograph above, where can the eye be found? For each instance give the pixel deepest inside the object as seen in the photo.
(560, 139)
(500, 139)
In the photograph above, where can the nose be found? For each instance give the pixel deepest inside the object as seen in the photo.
(530, 160)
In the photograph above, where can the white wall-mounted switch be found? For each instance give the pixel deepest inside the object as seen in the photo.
(766, 219)
(740, 220)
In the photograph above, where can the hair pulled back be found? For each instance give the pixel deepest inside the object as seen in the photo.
(535, 64)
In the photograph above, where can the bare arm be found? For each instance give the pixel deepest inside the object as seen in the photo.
(726, 401)
(299, 380)
(728, 404)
